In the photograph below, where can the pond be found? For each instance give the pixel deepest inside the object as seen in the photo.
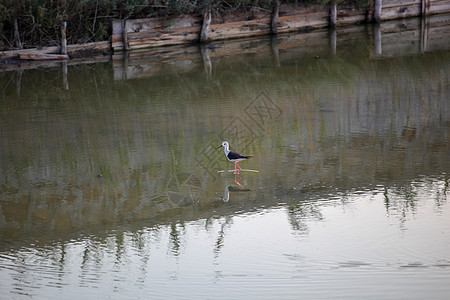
(112, 186)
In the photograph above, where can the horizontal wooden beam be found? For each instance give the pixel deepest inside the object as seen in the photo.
(43, 56)
(96, 46)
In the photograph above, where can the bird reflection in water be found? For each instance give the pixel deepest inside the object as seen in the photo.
(232, 188)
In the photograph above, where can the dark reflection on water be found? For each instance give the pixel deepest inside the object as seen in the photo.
(114, 187)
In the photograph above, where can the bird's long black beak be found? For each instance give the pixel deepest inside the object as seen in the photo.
(219, 147)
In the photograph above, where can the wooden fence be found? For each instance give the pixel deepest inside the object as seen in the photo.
(390, 39)
(154, 32)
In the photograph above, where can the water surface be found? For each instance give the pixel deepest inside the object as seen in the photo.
(112, 186)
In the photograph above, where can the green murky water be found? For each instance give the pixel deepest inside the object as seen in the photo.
(112, 186)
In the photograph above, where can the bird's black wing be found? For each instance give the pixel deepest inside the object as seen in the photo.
(235, 155)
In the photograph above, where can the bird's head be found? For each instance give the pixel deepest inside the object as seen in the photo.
(224, 144)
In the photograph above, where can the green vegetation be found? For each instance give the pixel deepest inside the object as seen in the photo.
(39, 21)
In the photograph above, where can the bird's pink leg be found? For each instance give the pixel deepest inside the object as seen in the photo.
(237, 180)
(234, 167)
(238, 167)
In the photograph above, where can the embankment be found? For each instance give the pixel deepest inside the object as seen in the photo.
(157, 32)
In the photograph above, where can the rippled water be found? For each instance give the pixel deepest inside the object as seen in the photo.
(114, 188)
(350, 246)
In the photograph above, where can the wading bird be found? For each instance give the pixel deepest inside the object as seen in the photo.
(233, 156)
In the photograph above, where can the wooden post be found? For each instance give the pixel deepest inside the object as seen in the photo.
(125, 66)
(18, 82)
(126, 46)
(378, 46)
(424, 29)
(65, 77)
(275, 51)
(205, 25)
(16, 34)
(425, 7)
(207, 65)
(333, 14)
(63, 39)
(377, 13)
(333, 40)
(276, 12)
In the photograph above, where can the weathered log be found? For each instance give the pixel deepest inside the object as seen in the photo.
(43, 56)
(401, 12)
(262, 26)
(442, 6)
(400, 3)
(275, 14)
(151, 24)
(205, 26)
(94, 46)
(431, 6)
(347, 17)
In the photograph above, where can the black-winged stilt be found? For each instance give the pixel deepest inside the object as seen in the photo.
(233, 156)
